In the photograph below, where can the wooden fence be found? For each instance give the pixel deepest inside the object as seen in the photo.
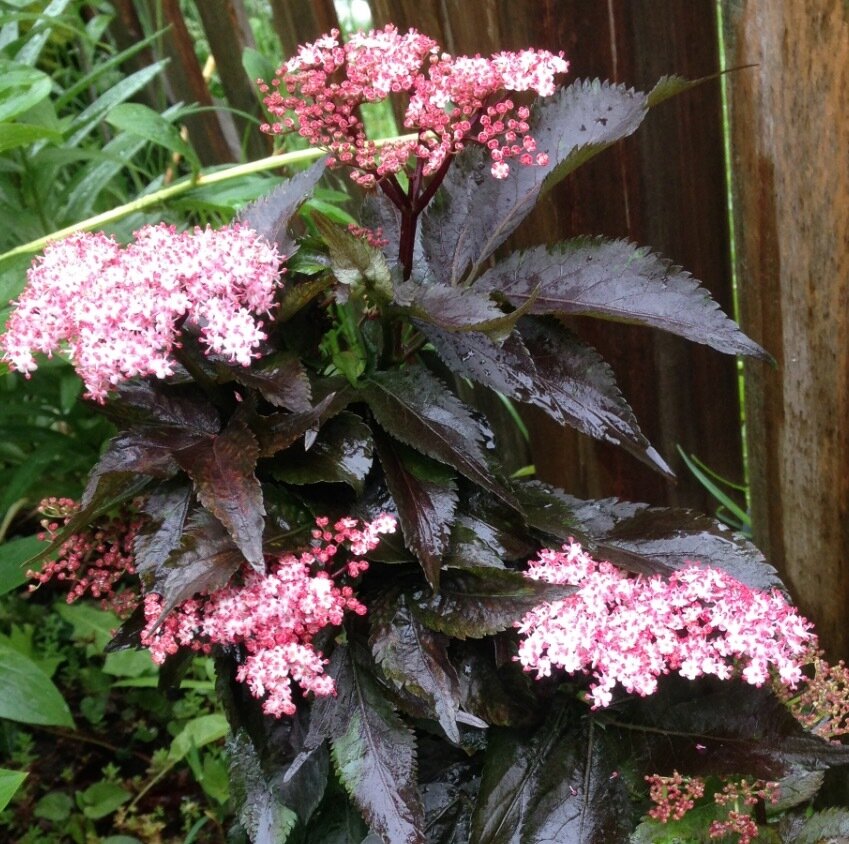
(665, 187)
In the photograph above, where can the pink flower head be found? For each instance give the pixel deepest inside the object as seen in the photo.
(632, 630)
(117, 311)
(274, 616)
(452, 100)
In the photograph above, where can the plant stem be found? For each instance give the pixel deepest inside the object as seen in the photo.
(272, 162)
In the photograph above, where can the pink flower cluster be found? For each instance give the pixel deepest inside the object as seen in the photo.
(673, 796)
(273, 616)
(118, 311)
(92, 561)
(452, 100)
(822, 703)
(632, 630)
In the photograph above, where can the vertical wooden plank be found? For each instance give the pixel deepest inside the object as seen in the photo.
(791, 163)
(228, 31)
(664, 187)
(300, 21)
(185, 83)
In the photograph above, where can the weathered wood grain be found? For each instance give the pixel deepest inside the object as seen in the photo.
(790, 120)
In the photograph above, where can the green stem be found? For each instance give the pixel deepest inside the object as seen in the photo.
(272, 162)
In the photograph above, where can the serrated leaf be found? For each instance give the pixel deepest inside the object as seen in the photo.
(415, 659)
(342, 453)
(417, 409)
(476, 213)
(270, 215)
(425, 505)
(145, 452)
(556, 785)
(262, 814)
(472, 603)
(374, 753)
(613, 279)
(222, 470)
(160, 536)
(353, 260)
(672, 537)
(177, 407)
(280, 430)
(575, 379)
(205, 561)
(453, 309)
(282, 382)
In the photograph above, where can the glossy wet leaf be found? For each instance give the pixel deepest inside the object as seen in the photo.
(282, 382)
(474, 213)
(426, 499)
(672, 537)
(270, 215)
(160, 536)
(262, 813)
(472, 603)
(720, 728)
(373, 752)
(342, 453)
(280, 430)
(222, 470)
(613, 279)
(825, 827)
(575, 386)
(177, 407)
(140, 451)
(558, 784)
(453, 309)
(205, 560)
(415, 659)
(417, 409)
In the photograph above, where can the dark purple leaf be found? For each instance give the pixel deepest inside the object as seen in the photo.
(280, 430)
(417, 409)
(830, 825)
(452, 309)
(574, 378)
(475, 213)
(179, 407)
(425, 498)
(500, 696)
(262, 812)
(145, 451)
(732, 728)
(448, 799)
(674, 538)
(270, 215)
(478, 602)
(373, 752)
(282, 382)
(222, 470)
(342, 453)
(613, 279)
(415, 659)
(205, 561)
(167, 509)
(559, 785)
(128, 634)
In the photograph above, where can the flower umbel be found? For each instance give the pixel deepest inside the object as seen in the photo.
(632, 630)
(452, 100)
(118, 311)
(273, 616)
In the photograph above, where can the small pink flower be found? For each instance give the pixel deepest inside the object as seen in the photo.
(630, 631)
(452, 99)
(117, 312)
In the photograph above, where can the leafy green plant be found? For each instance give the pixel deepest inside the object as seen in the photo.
(274, 431)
